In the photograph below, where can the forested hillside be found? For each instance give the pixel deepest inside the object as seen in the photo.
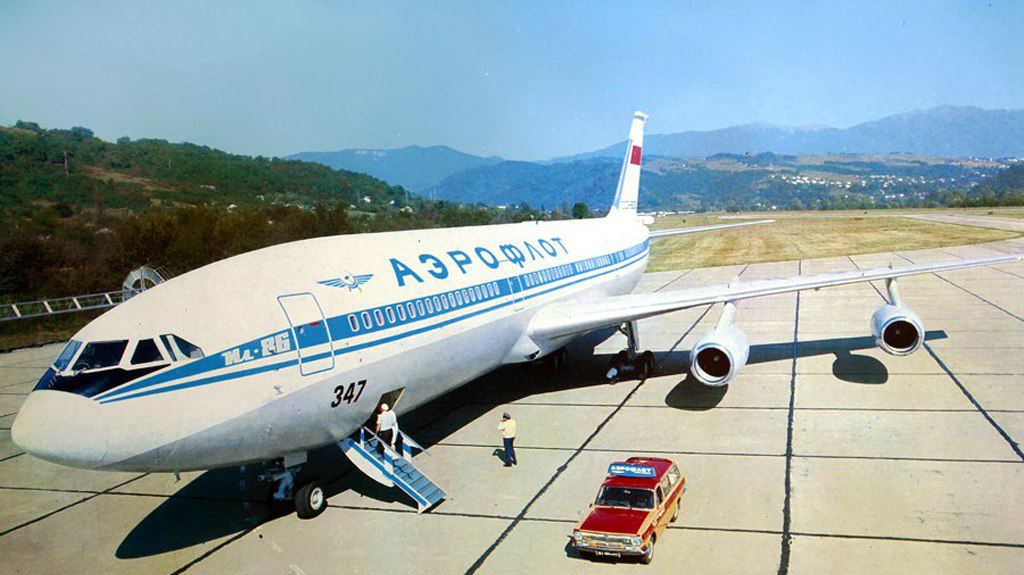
(78, 213)
(74, 169)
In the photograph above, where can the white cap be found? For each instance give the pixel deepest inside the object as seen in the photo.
(385, 406)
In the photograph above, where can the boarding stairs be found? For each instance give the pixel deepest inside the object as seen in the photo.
(391, 469)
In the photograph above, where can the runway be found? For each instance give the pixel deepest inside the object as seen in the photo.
(824, 456)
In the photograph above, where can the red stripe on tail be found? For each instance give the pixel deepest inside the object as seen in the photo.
(634, 157)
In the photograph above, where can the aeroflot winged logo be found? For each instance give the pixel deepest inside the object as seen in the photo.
(348, 280)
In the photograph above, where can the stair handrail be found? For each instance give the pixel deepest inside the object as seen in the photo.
(387, 448)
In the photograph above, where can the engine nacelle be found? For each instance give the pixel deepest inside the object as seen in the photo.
(897, 330)
(718, 356)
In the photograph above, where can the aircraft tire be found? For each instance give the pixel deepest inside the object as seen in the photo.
(310, 500)
(648, 358)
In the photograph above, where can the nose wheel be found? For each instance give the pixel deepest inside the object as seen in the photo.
(310, 500)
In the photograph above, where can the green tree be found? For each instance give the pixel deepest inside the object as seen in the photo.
(580, 210)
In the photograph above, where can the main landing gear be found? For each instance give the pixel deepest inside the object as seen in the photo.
(284, 485)
(630, 362)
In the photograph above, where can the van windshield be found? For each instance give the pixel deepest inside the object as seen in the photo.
(630, 497)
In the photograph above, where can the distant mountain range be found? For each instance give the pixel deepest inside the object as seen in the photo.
(946, 131)
(414, 167)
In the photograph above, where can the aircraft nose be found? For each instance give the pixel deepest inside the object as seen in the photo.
(62, 428)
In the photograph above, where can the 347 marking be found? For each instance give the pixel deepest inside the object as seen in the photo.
(348, 394)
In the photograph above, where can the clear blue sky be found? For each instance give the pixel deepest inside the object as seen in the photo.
(523, 80)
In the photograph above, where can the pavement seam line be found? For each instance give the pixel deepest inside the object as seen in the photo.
(787, 502)
(1006, 436)
(70, 505)
(674, 280)
(12, 456)
(970, 397)
(215, 549)
(558, 472)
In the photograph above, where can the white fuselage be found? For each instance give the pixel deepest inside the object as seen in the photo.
(290, 331)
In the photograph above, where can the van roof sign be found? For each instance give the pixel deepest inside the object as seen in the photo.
(632, 470)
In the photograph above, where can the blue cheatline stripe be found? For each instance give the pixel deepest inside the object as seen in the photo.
(626, 260)
(392, 476)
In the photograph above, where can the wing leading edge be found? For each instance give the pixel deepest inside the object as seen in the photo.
(569, 318)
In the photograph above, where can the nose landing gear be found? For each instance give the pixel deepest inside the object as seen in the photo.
(309, 499)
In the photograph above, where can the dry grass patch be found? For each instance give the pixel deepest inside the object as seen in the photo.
(807, 237)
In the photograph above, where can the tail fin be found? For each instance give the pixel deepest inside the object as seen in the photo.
(629, 180)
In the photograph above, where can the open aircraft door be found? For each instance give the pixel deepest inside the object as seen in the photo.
(310, 332)
(515, 286)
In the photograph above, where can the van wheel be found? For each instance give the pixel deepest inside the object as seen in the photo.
(646, 558)
(310, 500)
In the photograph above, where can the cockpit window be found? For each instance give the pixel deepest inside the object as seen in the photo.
(146, 352)
(101, 354)
(62, 361)
(181, 349)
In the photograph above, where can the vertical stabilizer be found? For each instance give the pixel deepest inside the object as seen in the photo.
(629, 179)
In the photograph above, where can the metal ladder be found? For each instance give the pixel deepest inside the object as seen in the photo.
(138, 280)
(392, 469)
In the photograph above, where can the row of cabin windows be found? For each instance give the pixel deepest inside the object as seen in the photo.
(593, 264)
(392, 314)
(543, 276)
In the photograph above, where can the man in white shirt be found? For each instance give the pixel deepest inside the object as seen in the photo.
(387, 429)
(507, 427)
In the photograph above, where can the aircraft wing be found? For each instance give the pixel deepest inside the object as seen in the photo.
(664, 233)
(568, 318)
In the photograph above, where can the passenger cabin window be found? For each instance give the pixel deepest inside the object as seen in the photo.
(101, 354)
(660, 496)
(62, 361)
(353, 323)
(146, 351)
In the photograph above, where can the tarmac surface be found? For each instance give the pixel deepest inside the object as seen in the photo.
(824, 456)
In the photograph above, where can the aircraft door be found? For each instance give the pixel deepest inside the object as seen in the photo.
(310, 332)
(515, 286)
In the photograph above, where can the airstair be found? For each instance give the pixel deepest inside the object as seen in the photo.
(391, 469)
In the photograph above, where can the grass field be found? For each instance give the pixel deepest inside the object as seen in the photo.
(799, 235)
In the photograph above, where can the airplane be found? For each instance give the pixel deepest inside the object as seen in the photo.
(267, 355)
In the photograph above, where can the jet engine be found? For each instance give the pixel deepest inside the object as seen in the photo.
(897, 329)
(718, 356)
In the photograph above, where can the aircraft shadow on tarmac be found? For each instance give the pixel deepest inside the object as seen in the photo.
(224, 502)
